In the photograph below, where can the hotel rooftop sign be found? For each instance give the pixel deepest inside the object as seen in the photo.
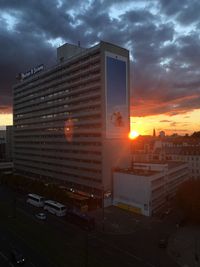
(25, 75)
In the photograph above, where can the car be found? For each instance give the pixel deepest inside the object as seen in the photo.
(17, 256)
(41, 216)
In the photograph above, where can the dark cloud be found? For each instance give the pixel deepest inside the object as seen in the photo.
(166, 58)
(172, 7)
(189, 13)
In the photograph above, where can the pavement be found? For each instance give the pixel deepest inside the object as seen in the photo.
(184, 246)
(114, 220)
(184, 242)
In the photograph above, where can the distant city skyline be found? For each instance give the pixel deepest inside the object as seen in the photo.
(162, 36)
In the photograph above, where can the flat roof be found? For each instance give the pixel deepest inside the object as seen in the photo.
(136, 171)
(170, 164)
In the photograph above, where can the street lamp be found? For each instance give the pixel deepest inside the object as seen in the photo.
(196, 256)
(132, 159)
(103, 214)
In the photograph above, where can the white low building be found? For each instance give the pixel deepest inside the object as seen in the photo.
(147, 188)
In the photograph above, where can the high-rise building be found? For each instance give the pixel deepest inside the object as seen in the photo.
(71, 122)
(2, 145)
(9, 143)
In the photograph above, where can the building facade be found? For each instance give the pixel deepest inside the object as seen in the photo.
(71, 122)
(148, 187)
(2, 145)
(9, 143)
(169, 149)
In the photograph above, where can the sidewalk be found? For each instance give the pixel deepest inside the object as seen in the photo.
(118, 221)
(184, 246)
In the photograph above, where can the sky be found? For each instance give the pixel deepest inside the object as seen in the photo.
(163, 37)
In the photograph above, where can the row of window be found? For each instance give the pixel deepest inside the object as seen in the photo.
(55, 73)
(59, 83)
(45, 135)
(47, 156)
(53, 173)
(58, 103)
(46, 125)
(188, 158)
(51, 118)
(31, 162)
(68, 143)
(67, 94)
(63, 110)
(67, 99)
(54, 150)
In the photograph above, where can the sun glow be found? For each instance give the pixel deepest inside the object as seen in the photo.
(133, 134)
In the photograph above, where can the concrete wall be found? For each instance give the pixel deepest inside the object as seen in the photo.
(132, 190)
(67, 51)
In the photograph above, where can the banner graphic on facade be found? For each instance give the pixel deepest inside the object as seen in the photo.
(116, 96)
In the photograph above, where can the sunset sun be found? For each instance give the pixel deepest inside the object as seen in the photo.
(133, 134)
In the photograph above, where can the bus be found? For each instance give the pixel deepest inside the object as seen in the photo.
(81, 219)
(55, 207)
(35, 200)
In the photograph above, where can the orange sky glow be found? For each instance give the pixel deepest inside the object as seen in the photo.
(180, 124)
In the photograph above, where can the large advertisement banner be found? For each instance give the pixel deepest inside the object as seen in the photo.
(116, 79)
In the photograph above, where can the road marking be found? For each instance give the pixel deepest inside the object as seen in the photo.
(6, 259)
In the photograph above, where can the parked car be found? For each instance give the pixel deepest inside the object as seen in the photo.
(41, 216)
(17, 256)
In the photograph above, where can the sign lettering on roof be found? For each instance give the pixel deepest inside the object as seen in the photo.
(31, 72)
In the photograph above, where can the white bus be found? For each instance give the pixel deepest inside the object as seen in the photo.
(35, 200)
(55, 207)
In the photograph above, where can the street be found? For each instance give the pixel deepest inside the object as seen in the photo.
(128, 239)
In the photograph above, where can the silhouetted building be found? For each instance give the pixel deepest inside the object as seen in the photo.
(2, 145)
(162, 134)
(182, 149)
(71, 122)
(9, 143)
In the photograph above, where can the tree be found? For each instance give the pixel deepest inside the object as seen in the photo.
(188, 199)
(196, 134)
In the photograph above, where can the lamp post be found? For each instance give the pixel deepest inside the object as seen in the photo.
(14, 203)
(86, 249)
(196, 256)
(103, 214)
(132, 159)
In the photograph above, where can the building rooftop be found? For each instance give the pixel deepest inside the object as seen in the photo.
(135, 171)
(170, 164)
